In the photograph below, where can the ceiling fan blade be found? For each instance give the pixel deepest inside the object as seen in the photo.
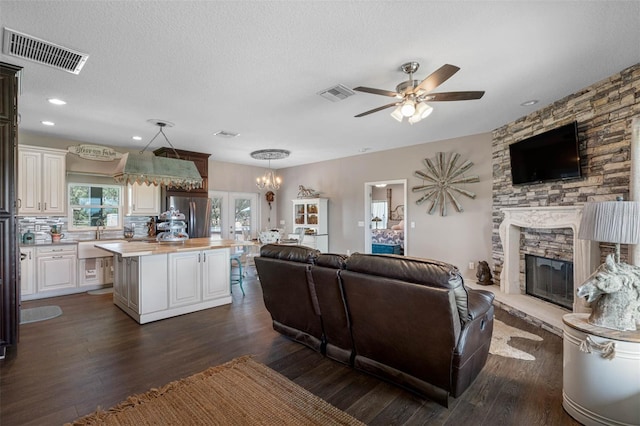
(377, 91)
(438, 77)
(452, 96)
(377, 109)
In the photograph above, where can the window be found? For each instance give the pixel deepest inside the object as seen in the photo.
(91, 205)
(379, 211)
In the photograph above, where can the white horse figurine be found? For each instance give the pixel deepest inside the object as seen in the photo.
(613, 292)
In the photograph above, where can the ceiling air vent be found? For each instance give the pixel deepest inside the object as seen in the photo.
(336, 93)
(34, 49)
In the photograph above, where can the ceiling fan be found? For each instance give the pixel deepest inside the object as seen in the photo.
(413, 95)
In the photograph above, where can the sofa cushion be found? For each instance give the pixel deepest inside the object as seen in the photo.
(335, 261)
(300, 254)
(414, 270)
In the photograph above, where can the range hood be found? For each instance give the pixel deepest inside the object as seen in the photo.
(149, 169)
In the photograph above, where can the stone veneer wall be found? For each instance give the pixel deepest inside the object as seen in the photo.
(604, 112)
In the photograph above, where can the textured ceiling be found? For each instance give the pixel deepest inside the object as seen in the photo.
(254, 67)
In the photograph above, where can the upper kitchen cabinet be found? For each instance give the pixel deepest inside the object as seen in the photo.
(199, 159)
(143, 200)
(41, 181)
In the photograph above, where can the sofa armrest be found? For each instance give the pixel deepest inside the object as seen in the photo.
(479, 302)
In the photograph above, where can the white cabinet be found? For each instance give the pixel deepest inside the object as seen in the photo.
(57, 267)
(313, 215)
(140, 286)
(185, 278)
(143, 200)
(27, 271)
(126, 282)
(41, 181)
(95, 271)
(215, 274)
(107, 270)
(198, 275)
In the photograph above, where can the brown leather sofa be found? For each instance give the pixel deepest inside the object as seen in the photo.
(409, 321)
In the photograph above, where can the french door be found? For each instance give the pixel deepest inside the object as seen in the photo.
(234, 215)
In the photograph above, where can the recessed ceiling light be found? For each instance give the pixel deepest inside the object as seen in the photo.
(57, 101)
(48, 123)
(529, 102)
(136, 138)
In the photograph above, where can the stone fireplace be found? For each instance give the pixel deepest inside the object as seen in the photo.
(585, 253)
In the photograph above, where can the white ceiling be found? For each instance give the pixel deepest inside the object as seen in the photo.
(254, 67)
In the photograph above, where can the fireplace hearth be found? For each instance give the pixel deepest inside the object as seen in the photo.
(549, 279)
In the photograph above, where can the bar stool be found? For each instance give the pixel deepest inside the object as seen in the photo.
(237, 277)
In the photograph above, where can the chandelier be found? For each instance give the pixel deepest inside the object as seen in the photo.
(269, 180)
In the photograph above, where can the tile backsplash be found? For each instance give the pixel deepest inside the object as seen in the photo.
(41, 226)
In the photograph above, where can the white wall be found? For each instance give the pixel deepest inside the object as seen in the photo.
(458, 238)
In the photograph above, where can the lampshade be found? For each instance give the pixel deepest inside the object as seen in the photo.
(611, 222)
(149, 169)
(408, 107)
(397, 113)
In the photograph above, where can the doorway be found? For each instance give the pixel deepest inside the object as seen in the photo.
(234, 215)
(385, 217)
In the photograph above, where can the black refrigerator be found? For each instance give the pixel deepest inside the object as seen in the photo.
(197, 212)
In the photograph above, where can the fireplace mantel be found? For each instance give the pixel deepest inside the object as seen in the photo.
(585, 254)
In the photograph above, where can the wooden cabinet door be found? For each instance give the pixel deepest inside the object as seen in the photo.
(56, 272)
(133, 276)
(185, 277)
(9, 251)
(28, 271)
(53, 184)
(107, 270)
(143, 200)
(215, 274)
(120, 290)
(29, 178)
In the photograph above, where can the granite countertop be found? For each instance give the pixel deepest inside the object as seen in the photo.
(141, 248)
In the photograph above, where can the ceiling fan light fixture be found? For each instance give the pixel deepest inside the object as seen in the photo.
(423, 110)
(397, 114)
(408, 108)
(414, 119)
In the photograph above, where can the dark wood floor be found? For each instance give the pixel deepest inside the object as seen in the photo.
(95, 355)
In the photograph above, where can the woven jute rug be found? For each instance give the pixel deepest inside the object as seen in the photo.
(239, 392)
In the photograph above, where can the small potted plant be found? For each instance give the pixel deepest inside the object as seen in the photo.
(56, 234)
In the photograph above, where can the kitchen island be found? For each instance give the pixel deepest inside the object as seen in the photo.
(153, 281)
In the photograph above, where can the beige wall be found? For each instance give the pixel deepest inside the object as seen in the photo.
(458, 238)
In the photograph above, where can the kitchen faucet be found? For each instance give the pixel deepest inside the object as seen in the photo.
(99, 223)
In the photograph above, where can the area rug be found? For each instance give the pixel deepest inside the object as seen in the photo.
(240, 392)
(40, 313)
(502, 333)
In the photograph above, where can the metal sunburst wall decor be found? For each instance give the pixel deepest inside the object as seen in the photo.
(440, 180)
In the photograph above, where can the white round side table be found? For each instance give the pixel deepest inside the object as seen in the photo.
(601, 373)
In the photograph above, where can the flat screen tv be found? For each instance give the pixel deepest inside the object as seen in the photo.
(552, 155)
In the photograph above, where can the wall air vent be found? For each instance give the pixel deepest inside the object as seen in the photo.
(43, 52)
(336, 93)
